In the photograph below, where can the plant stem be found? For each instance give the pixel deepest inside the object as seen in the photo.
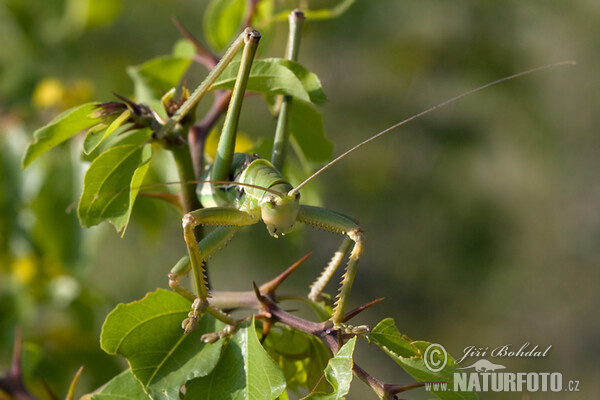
(185, 170)
(282, 134)
(374, 383)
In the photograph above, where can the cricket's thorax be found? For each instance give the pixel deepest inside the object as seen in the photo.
(224, 195)
(278, 210)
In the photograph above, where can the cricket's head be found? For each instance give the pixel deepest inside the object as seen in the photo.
(279, 212)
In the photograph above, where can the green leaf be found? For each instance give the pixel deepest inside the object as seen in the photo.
(222, 22)
(148, 333)
(138, 137)
(320, 14)
(338, 374)
(306, 128)
(58, 187)
(183, 48)
(276, 76)
(111, 184)
(310, 81)
(123, 386)
(101, 12)
(245, 371)
(409, 355)
(301, 356)
(100, 132)
(61, 128)
(157, 76)
(385, 334)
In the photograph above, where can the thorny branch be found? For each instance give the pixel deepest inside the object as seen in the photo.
(11, 382)
(266, 301)
(264, 298)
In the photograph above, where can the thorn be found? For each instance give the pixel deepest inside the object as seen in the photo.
(49, 391)
(15, 368)
(71, 393)
(11, 382)
(261, 299)
(110, 107)
(188, 35)
(273, 284)
(266, 328)
(358, 310)
(134, 106)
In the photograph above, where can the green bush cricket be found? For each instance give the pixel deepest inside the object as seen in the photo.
(242, 189)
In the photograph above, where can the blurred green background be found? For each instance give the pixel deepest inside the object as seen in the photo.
(481, 219)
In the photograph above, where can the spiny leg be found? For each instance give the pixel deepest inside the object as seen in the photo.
(200, 251)
(181, 269)
(215, 239)
(319, 284)
(338, 223)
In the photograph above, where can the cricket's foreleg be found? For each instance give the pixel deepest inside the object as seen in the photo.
(338, 223)
(214, 240)
(181, 269)
(230, 220)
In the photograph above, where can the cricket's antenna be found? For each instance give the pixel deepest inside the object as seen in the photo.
(427, 111)
(242, 184)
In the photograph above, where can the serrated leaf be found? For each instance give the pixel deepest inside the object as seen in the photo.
(157, 76)
(244, 372)
(409, 355)
(306, 128)
(101, 132)
(338, 373)
(123, 386)
(222, 22)
(61, 128)
(276, 76)
(111, 184)
(148, 333)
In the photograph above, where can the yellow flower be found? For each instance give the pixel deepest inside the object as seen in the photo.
(24, 269)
